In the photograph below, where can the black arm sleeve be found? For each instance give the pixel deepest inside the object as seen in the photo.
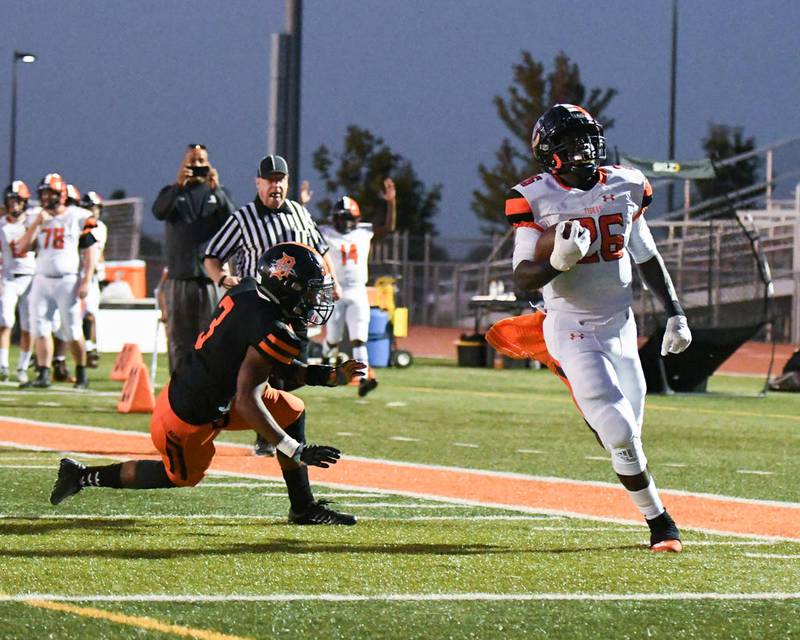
(165, 201)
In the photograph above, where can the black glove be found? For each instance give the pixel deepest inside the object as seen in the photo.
(317, 455)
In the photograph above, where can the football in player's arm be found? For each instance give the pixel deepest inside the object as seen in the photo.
(586, 279)
(223, 384)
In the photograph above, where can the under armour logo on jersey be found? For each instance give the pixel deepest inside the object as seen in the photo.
(283, 267)
(575, 335)
(212, 199)
(608, 197)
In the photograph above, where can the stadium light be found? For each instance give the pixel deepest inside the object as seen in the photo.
(26, 58)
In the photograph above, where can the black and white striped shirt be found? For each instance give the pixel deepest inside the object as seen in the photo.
(254, 228)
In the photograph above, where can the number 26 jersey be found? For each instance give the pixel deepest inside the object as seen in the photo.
(600, 284)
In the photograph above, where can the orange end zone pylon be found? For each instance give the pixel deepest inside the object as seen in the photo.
(126, 359)
(137, 394)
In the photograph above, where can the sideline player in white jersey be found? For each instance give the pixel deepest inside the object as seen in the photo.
(350, 241)
(17, 276)
(586, 284)
(93, 202)
(64, 266)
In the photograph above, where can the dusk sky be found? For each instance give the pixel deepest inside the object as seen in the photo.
(122, 86)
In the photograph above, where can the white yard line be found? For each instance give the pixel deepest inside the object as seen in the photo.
(262, 516)
(754, 472)
(403, 439)
(774, 556)
(29, 466)
(529, 451)
(401, 597)
(467, 445)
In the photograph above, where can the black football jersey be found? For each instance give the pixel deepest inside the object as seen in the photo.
(204, 383)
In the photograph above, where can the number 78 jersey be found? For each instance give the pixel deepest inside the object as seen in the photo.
(350, 253)
(58, 242)
(600, 284)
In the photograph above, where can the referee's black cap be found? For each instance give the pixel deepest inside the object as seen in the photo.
(272, 164)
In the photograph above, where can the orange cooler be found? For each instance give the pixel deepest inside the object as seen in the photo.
(132, 271)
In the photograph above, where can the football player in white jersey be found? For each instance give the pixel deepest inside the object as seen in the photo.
(17, 277)
(350, 241)
(65, 261)
(586, 284)
(92, 202)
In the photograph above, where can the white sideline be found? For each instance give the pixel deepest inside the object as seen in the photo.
(399, 597)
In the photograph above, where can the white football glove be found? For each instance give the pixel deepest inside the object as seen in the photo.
(567, 252)
(677, 336)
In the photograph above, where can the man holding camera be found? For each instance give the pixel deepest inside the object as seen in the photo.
(194, 208)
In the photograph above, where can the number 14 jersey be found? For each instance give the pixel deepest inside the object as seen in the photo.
(600, 284)
(350, 253)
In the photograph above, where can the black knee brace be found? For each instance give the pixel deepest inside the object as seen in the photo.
(635, 483)
(297, 429)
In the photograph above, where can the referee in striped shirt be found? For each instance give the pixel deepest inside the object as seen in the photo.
(268, 220)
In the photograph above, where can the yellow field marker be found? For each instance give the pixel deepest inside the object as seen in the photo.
(140, 622)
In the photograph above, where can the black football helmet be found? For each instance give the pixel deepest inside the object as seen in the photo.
(18, 192)
(346, 214)
(297, 278)
(567, 139)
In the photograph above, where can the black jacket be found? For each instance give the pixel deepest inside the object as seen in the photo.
(193, 213)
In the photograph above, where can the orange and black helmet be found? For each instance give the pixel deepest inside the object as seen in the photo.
(296, 277)
(346, 214)
(73, 194)
(53, 182)
(17, 189)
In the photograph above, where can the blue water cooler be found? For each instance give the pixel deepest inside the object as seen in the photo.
(379, 343)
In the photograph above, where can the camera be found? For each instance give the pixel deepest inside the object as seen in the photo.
(200, 172)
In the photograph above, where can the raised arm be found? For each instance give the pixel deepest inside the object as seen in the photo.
(390, 195)
(25, 242)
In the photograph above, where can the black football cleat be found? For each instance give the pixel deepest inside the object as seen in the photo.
(664, 534)
(60, 371)
(68, 482)
(366, 385)
(42, 380)
(263, 448)
(319, 513)
(81, 378)
(3, 374)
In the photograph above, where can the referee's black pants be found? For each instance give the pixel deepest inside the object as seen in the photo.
(190, 307)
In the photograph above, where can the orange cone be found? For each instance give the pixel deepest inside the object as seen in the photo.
(126, 359)
(137, 394)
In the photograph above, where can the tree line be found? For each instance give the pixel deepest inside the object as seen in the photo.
(365, 158)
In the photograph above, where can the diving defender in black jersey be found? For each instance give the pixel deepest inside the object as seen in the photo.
(222, 385)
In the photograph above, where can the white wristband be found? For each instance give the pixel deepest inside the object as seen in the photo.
(288, 446)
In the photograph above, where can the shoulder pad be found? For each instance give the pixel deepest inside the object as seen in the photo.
(280, 344)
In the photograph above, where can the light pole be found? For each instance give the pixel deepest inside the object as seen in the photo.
(27, 58)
